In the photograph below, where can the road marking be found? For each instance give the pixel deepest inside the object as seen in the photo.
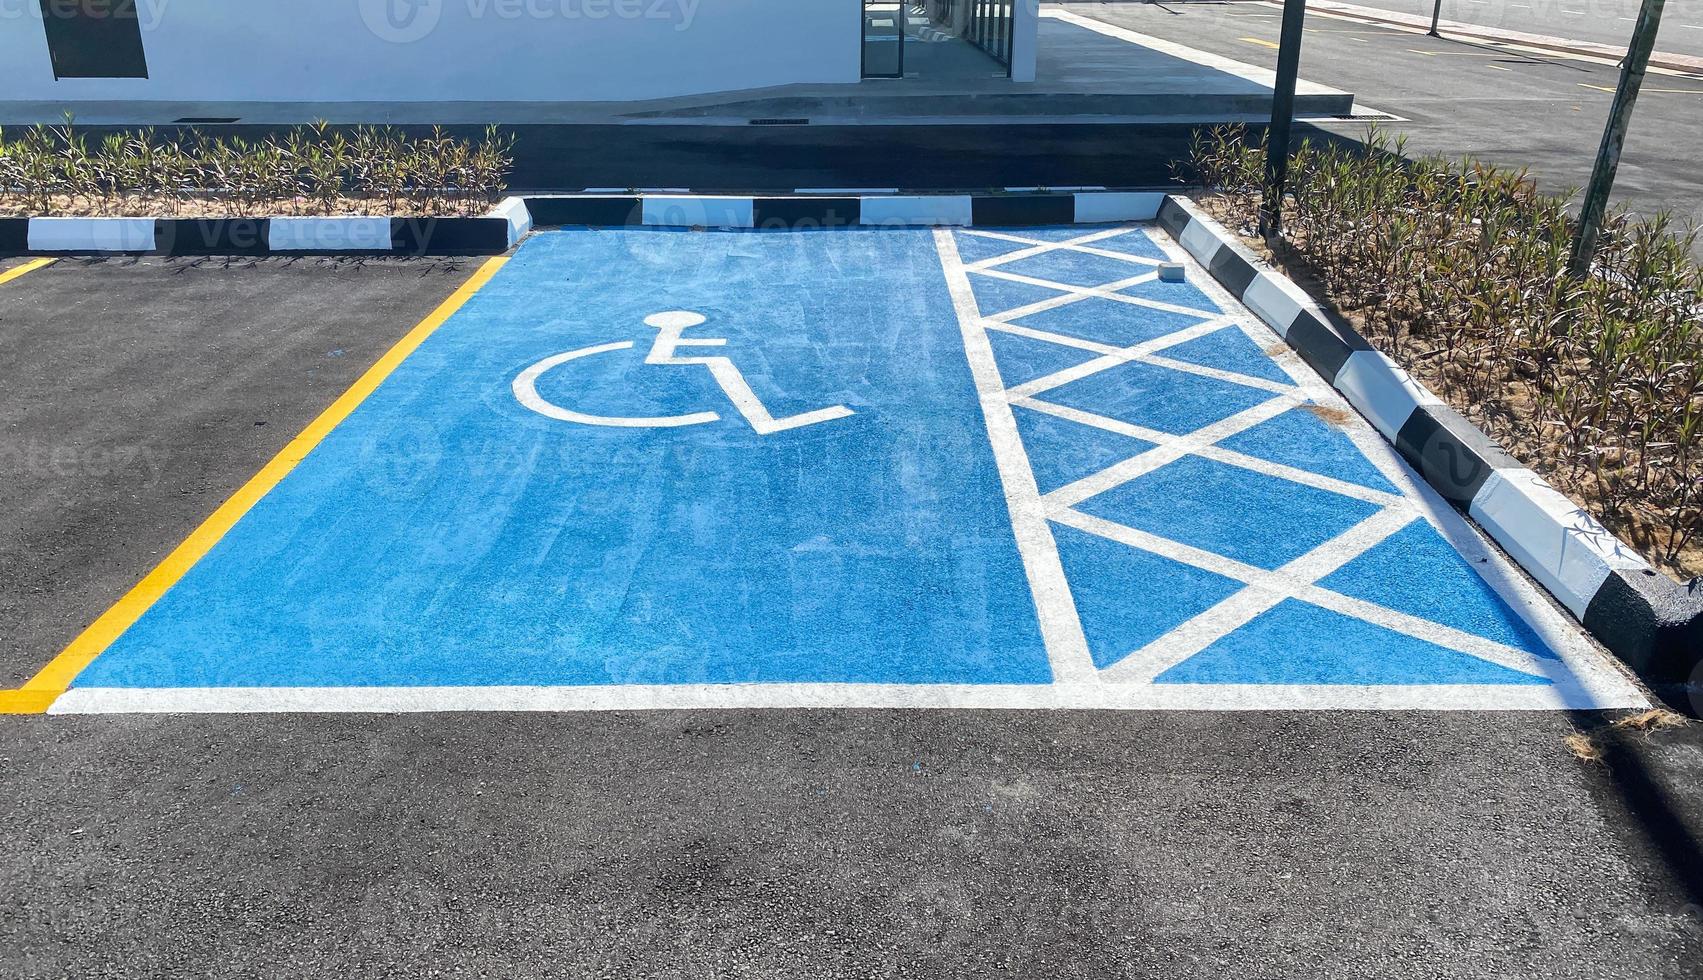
(1472, 54)
(25, 269)
(1061, 631)
(1670, 91)
(1262, 43)
(54, 679)
(1498, 68)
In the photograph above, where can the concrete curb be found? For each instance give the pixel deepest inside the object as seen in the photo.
(355, 235)
(510, 220)
(1651, 622)
(840, 211)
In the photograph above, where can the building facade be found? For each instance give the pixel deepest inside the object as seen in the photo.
(481, 50)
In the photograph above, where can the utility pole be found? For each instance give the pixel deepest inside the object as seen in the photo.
(1436, 15)
(1282, 117)
(1614, 137)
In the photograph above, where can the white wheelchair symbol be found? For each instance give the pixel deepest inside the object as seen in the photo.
(670, 329)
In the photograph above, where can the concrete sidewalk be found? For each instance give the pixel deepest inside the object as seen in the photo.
(1088, 71)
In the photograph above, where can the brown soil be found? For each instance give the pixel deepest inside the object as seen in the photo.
(14, 206)
(1509, 421)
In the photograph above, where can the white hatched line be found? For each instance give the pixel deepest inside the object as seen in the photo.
(1298, 580)
(1081, 244)
(1264, 590)
(1102, 292)
(1071, 295)
(1118, 474)
(1246, 380)
(1065, 340)
(1104, 253)
(1126, 355)
(1220, 454)
(1061, 630)
(1148, 349)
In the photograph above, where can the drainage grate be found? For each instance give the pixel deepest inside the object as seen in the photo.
(781, 121)
(206, 119)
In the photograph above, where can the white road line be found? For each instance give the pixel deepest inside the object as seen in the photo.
(1108, 291)
(1219, 454)
(685, 697)
(1118, 474)
(1067, 647)
(1127, 355)
(1082, 244)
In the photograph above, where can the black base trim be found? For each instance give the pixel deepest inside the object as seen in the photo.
(448, 236)
(212, 236)
(1651, 623)
(1321, 344)
(14, 235)
(1450, 453)
(1023, 209)
(801, 213)
(594, 211)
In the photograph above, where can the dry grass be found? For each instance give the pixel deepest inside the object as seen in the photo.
(1587, 746)
(56, 170)
(1330, 413)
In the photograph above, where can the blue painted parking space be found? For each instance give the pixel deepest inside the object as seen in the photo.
(884, 467)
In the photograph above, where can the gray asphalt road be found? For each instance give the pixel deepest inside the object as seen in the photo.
(1599, 21)
(837, 844)
(754, 843)
(1541, 112)
(138, 394)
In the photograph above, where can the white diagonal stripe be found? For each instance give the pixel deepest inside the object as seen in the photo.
(1120, 473)
(1220, 454)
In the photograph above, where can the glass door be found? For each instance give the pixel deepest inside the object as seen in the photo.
(883, 39)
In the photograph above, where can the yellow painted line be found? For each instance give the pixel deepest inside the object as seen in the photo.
(55, 678)
(1259, 41)
(25, 269)
(1498, 68)
(26, 702)
(1671, 91)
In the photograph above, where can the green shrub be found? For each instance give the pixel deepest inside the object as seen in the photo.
(49, 170)
(1458, 269)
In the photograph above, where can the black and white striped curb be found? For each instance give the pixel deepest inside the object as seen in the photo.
(1647, 619)
(514, 217)
(842, 211)
(489, 235)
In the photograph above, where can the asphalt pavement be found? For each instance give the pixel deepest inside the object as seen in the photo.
(755, 842)
(1539, 111)
(1597, 21)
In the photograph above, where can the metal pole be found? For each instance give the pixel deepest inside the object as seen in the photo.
(1614, 137)
(1282, 116)
(1436, 15)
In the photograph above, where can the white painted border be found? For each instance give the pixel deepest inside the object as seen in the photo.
(1555, 539)
(929, 209)
(1118, 206)
(671, 211)
(514, 211)
(1155, 697)
(91, 235)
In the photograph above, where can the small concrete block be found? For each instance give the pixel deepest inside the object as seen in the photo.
(1171, 272)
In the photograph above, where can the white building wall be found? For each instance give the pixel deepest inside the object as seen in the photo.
(452, 50)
